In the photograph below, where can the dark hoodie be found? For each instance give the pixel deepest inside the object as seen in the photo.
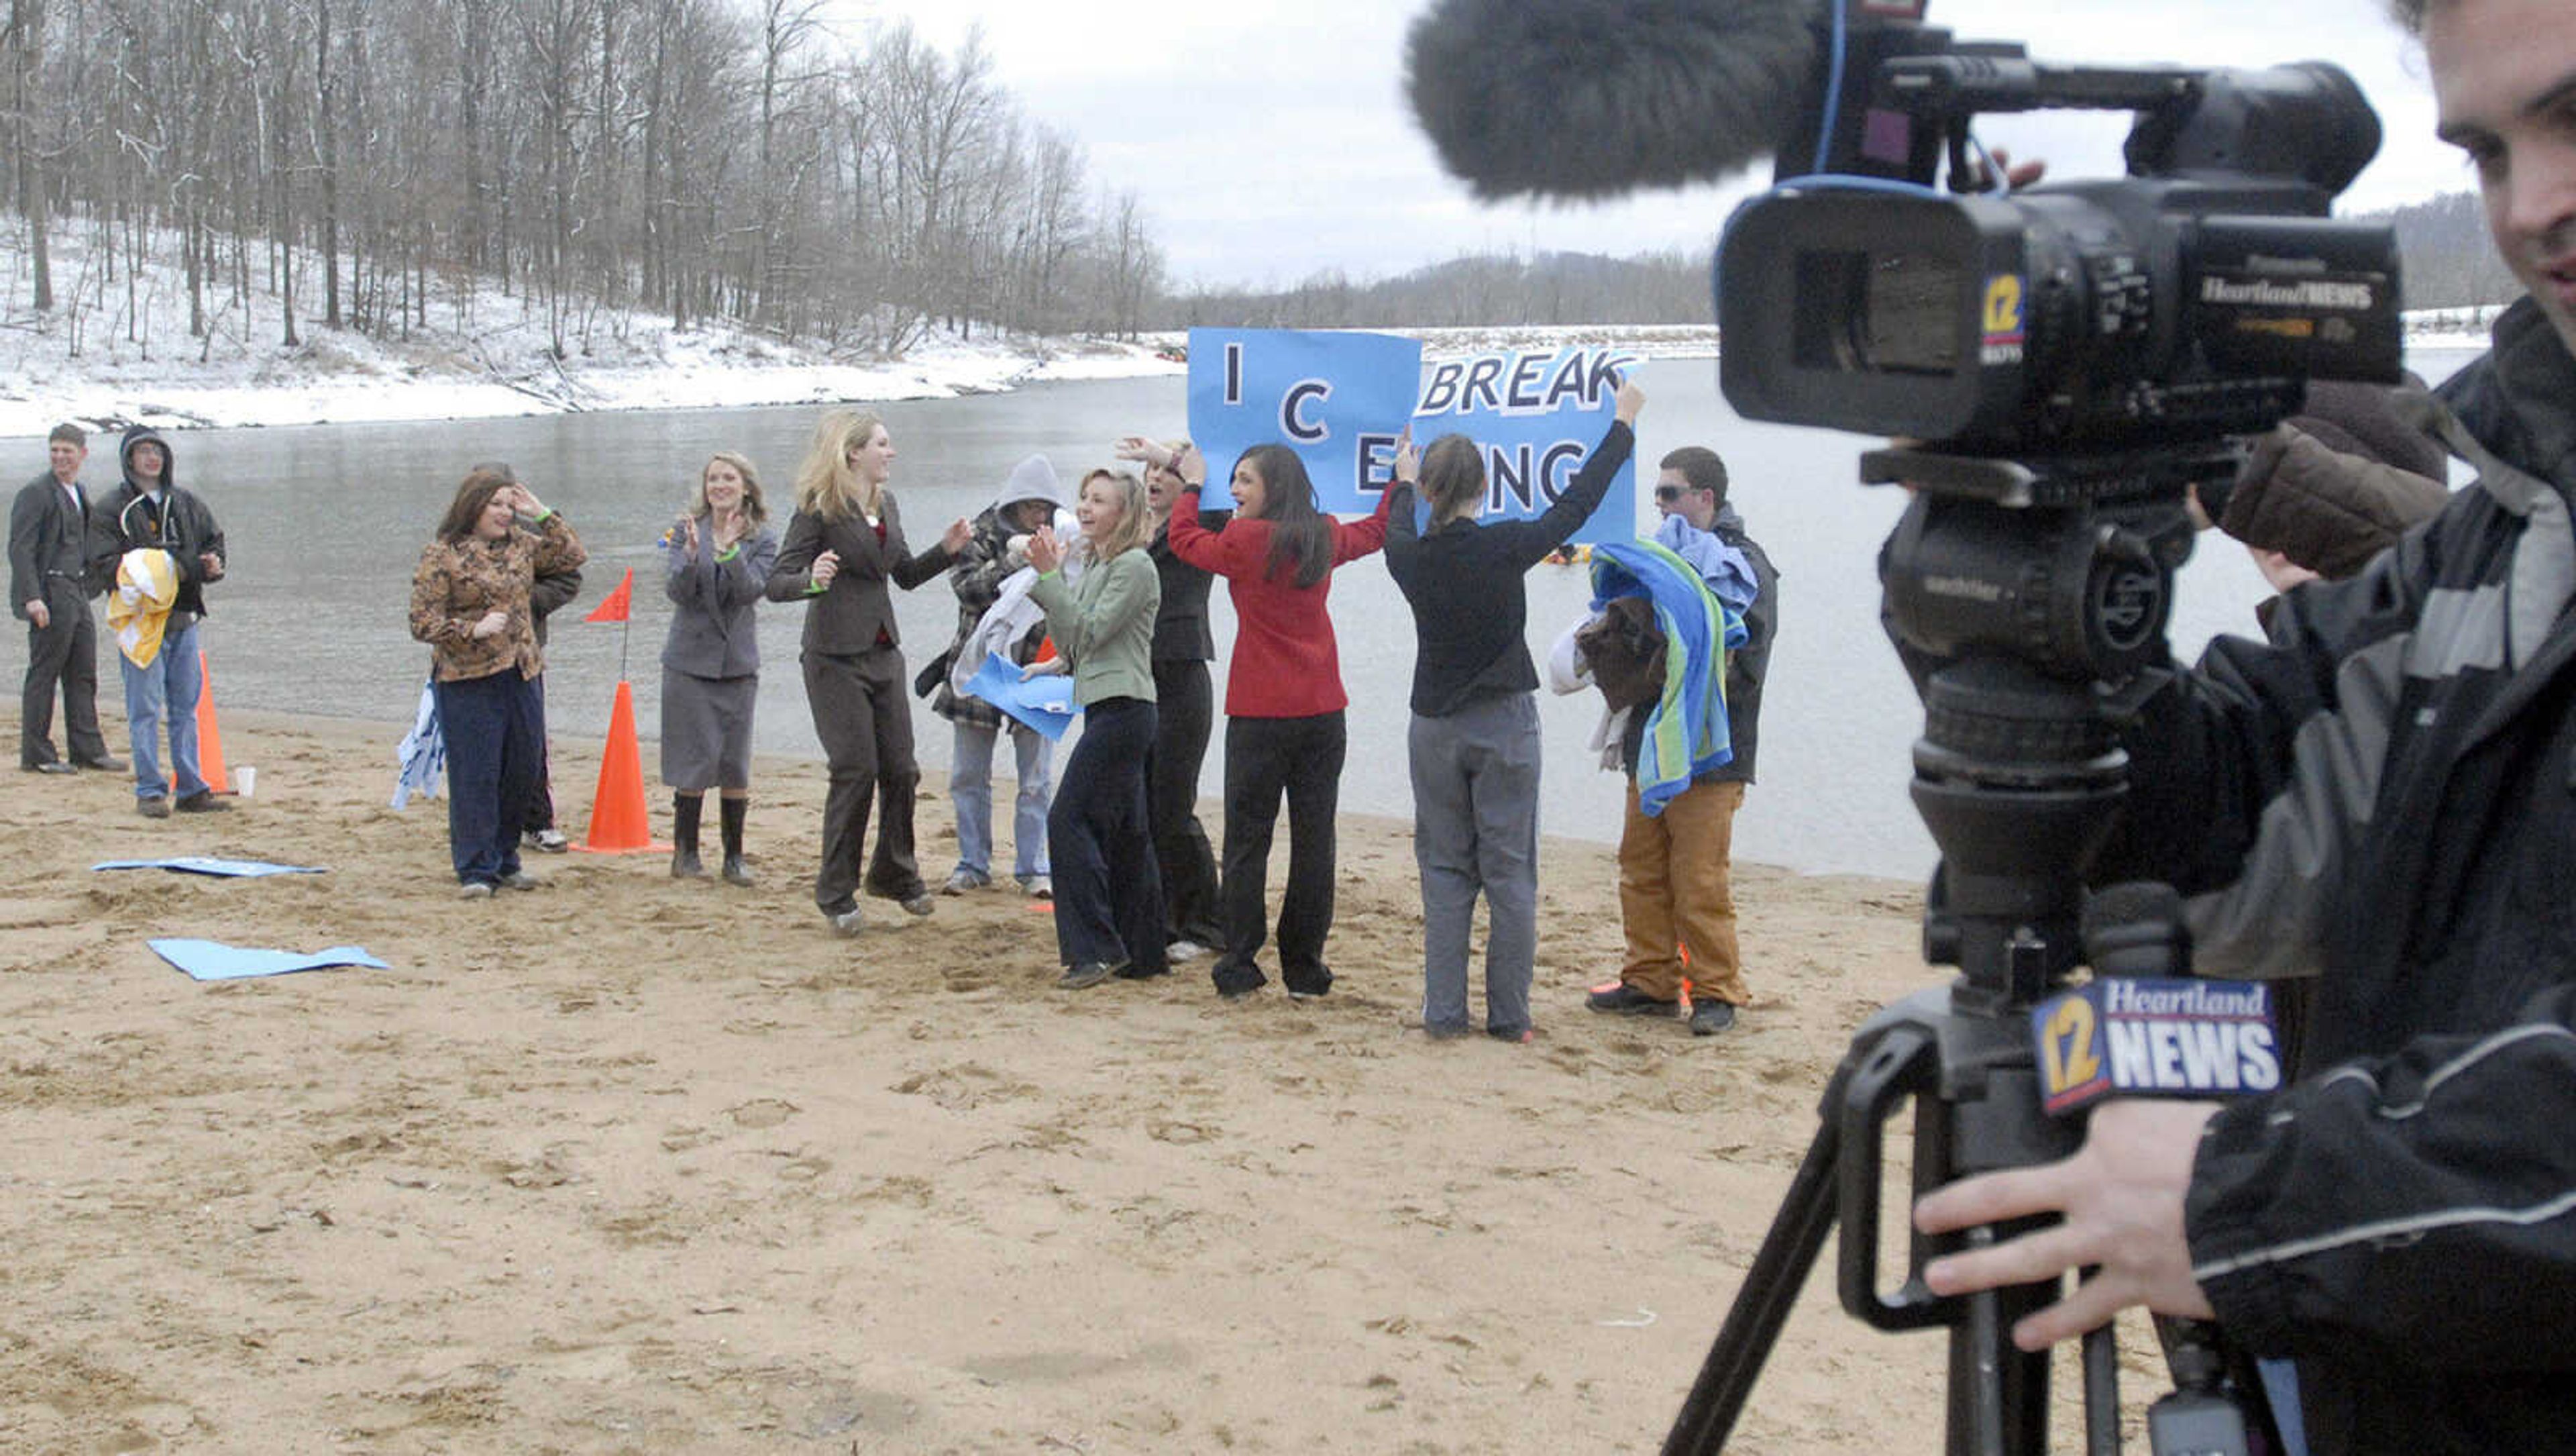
(178, 522)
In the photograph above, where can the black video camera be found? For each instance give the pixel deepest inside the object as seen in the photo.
(2188, 301)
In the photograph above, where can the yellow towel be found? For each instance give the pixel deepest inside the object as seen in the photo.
(147, 582)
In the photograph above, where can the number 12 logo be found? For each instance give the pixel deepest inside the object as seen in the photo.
(2069, 1056)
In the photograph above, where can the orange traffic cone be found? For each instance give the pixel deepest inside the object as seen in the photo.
(210, 743)
(617, 821)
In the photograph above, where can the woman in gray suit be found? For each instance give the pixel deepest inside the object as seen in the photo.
(715, 565)
(843, 545)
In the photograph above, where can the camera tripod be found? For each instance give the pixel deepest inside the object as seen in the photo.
(2019, 599)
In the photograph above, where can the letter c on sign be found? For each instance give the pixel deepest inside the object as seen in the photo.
(1291, 421)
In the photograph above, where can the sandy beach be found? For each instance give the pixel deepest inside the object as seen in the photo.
(627, 1164)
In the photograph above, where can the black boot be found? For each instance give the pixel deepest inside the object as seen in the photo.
(684, 837)
(731, 812)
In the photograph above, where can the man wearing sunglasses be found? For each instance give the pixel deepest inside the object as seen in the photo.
(1674, 871)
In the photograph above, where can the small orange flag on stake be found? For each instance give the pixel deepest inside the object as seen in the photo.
(210, 744)
(617, 604)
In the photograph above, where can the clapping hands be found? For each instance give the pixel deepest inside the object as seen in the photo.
(1045, 552)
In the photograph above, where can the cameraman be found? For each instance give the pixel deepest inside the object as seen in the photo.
(2386, 796)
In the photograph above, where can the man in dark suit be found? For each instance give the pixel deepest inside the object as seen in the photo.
(48, 531)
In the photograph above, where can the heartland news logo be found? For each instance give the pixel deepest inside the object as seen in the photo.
(2155, 1038)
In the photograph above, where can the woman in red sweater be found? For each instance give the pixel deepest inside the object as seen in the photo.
(1283, 701)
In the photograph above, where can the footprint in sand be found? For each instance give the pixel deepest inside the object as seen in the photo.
(762, 1112)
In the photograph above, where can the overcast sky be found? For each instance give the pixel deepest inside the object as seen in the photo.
(1270, 139)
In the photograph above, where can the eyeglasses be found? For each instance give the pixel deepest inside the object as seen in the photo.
(1668, 492)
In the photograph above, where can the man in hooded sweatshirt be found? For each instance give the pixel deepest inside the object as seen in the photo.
(1028, 499)
(150, 510)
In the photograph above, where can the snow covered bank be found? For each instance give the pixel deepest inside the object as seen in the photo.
(118, 349)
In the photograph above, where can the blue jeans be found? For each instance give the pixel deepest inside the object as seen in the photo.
(495, 731)
(970, 788)
(165, 691)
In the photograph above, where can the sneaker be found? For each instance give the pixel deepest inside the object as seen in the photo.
(1184, 950)
(520, 880)
(845, 922)
(203, 801)
(1626, 1000)
(474, 890)
(1708, 1018)
(153, 808)
(1312, 995)
(1037, 887)
(1086, 975)
(108, 764)
(962, 880)
(1133, 972)
(49, 766)
(919, 902)
(549, 839)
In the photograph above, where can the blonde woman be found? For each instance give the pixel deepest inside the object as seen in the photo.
(842, 547)
(715, 565)
(1108, 899)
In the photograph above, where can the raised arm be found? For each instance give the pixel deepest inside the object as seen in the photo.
(1532, 540)
(1355, 539)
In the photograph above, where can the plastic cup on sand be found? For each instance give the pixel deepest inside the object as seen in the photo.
(245, 780)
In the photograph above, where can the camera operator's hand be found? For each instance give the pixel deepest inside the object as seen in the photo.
(2015, 178)
(2121, 1195)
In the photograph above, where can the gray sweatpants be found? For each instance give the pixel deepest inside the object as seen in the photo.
(1475, 827)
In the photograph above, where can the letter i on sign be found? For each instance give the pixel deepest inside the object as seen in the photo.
(1234, 374)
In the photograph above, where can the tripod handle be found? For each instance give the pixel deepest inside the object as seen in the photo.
(1904, 1062)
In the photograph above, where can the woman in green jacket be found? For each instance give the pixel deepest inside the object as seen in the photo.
(1098, 832)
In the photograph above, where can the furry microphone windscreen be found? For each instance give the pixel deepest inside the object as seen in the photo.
(1585, 99)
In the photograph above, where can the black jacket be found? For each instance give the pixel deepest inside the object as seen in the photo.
(1747, 665)
(1466, 583)
(181, 524)
(1181, 623)
(2387, 797)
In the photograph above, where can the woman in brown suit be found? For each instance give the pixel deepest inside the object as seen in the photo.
(842, 547)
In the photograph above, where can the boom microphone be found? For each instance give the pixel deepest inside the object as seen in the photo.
(1584, 99)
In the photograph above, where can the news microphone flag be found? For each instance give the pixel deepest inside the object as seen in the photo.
(616, 606)
(2137, 1037)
